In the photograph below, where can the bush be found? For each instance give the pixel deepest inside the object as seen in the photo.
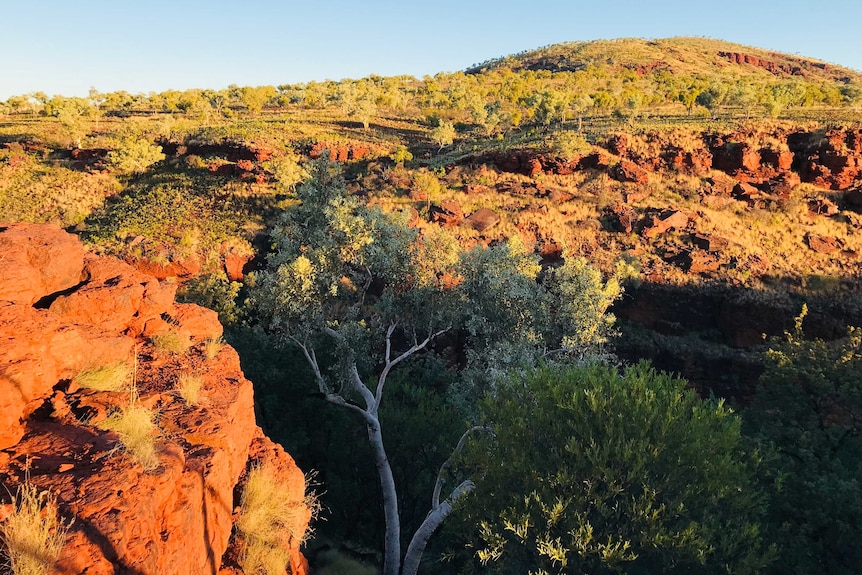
(214, 291)
(212, 347)
(569, 144)
(171, 342)
(809, 406)
(135, 155)
(593, 471)
(33, 535)
(189, 387)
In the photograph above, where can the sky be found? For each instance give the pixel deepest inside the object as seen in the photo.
(67, 47)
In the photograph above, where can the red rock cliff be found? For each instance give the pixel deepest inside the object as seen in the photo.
(63, 311)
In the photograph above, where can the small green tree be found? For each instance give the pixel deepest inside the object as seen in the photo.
(135, 155)
(443, 135)
(593, 471)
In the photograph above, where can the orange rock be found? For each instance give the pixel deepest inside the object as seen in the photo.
(117, 297)
(37, 260)
(198, 322)
(176, 519)
(664, 222)
(39, 349)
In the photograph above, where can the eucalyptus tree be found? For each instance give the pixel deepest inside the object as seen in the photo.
(360, 293)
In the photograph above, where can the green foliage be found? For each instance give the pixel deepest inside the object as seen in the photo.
(288, 172)
(401, 155)
(809, 406)
(443, 135)
(569, 144)
(135, 155)
(159, 208)
(214, 291)
(593, 471)
(328, 251)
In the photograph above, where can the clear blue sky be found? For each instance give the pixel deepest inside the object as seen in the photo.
(65, 47)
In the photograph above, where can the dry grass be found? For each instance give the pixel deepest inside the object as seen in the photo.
(271, 521)
(111, 377)
(172, 342)
(136, 426)
(189, 387)
(212, 347)
(33, 535)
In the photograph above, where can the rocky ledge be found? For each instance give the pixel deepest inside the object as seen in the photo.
(64, 312)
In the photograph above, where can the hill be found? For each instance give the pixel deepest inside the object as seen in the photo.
(678, 55)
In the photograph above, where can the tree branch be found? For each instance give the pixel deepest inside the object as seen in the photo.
(336, 399)
(432, 521)
(360, 386)
(330, 396)
(441, 475)
(391, 363)
(311, 358)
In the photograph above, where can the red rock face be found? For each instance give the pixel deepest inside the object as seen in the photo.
(340, 152)
(175, 519)
(779, 69)
(37, 260)
(836, 162)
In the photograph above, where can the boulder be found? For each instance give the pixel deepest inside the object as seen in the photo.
(699, 261)
(623, 218)
(745, 192)
(628, 171)
(665, 221)
(38, 350)
(116, 296)
(733, 158)
(37, 260)
(483, 219)
(447, 214)
(822, 244)
(709, 242)
(822, 207)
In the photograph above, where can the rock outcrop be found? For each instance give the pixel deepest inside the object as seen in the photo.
(62, 312)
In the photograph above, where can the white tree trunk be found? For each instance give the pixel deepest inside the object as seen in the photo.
(392, 541)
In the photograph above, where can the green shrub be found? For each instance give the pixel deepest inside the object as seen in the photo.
(809, 407)
(135, 155)
(593, 471)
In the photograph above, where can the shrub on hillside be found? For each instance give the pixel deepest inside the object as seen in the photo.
(135, 155)
(593, 471)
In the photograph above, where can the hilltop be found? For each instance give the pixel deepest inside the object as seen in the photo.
(677, 55)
